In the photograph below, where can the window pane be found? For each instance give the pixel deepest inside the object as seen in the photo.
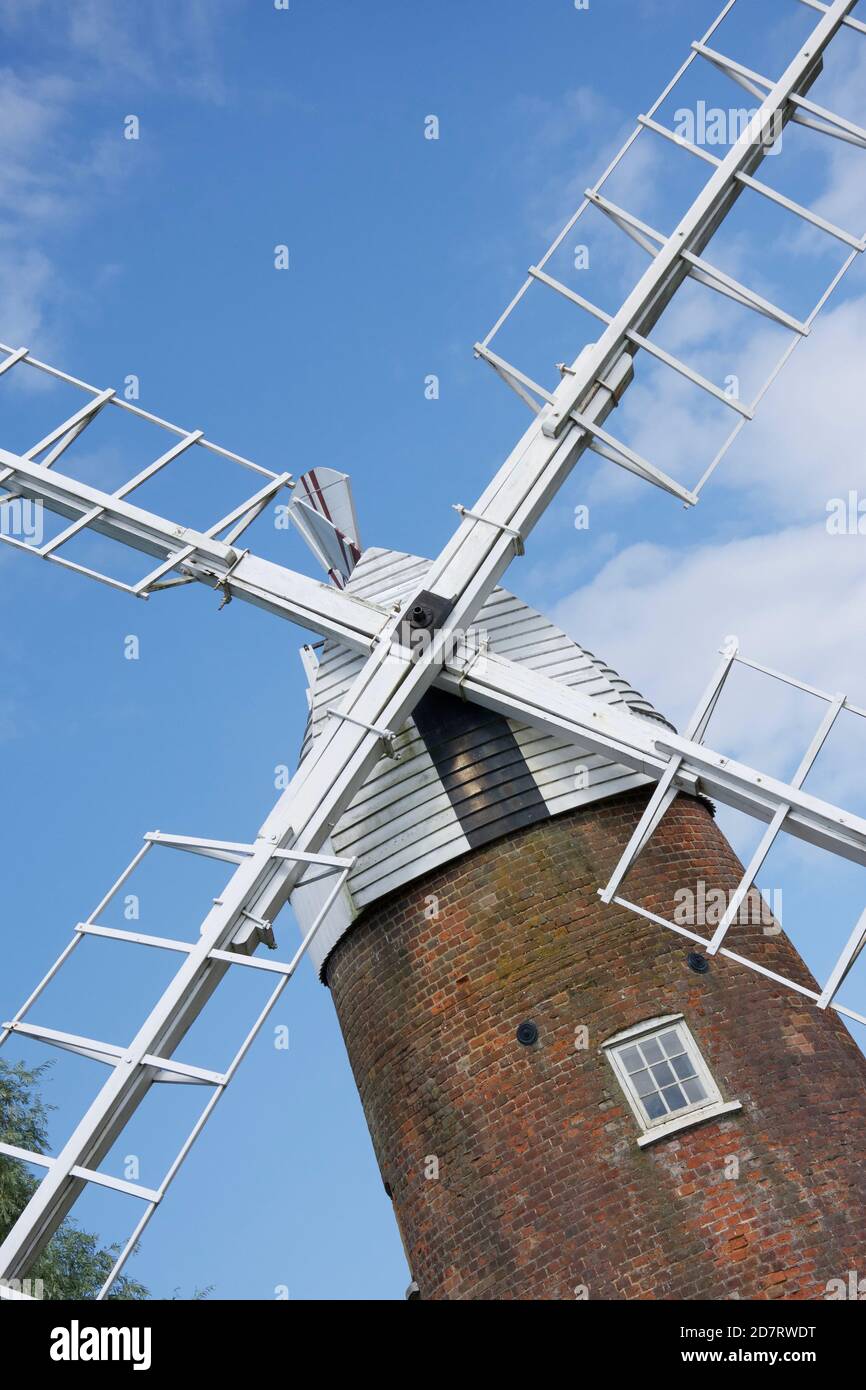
(662, 1071)
(694, 1089)
(683, 1065)
(643, 1083)
(674, 1097)
(632, 1059)
(663, 1074)
(654, 1106)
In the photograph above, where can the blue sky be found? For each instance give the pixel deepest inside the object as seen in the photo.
(155, 257)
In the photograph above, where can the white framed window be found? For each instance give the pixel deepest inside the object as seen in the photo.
(665, 1079)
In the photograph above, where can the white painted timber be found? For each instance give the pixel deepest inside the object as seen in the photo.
(401, 823)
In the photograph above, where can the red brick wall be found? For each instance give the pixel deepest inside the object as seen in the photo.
(541, 1188)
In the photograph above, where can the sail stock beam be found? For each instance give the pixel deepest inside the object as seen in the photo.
(149, 1058)
(393, 679)
(359, 624)
(534, 699)
(700, 268)
(849, 21)
(816, 117)
(317, 607)
(637, 340)
(683, 764)
(669, 266)
(785, 807)
(757, 186)
(382, 696)
(266, 869)
(681, 254)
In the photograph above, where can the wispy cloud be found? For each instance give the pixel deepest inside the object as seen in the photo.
(174, 46)
(54, 171)
(805, 445)
(795, 599)
(32, 193)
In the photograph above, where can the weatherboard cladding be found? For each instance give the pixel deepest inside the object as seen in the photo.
(481, 766)
(466, 775)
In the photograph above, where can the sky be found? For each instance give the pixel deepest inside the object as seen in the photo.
(306, 128)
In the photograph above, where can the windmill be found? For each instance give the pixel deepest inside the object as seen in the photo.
(443, 716)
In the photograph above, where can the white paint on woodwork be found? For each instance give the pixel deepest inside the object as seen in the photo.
(401, 823)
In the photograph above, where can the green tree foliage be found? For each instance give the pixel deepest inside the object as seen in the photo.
(74, 1265)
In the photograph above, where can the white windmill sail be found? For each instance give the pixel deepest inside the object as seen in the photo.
(323, 511)
(466, 775)
(373, 714)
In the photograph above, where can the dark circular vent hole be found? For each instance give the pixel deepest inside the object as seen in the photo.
(527, 1033)
(421, 616)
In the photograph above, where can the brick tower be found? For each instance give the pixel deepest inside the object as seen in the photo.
(562, 1105)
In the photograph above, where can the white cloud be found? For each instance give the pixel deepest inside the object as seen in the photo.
(158, 43)
(795, 600)
(47, 180)
(807, 443)
(26, 279)
(51, 173)
(840, 89)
